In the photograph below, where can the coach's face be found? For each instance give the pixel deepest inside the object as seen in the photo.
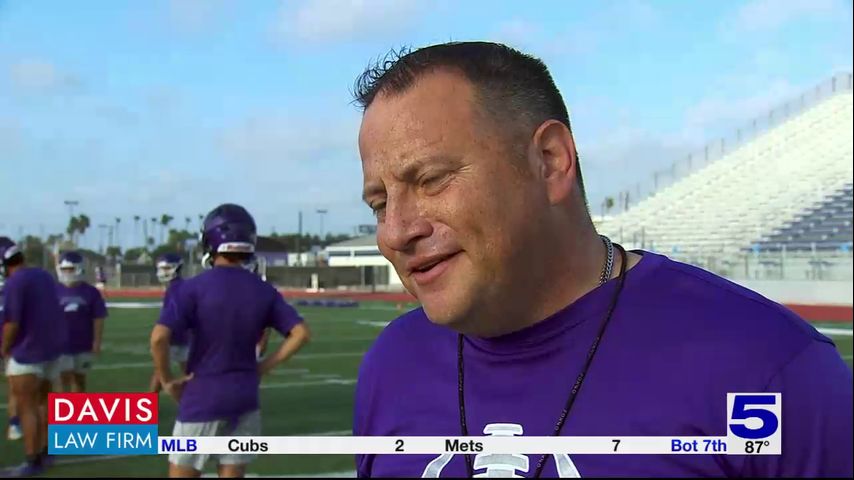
(455, 212)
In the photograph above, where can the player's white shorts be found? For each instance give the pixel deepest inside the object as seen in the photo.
(247, 426)
(47, 370)
(179, 353)
(79, 363)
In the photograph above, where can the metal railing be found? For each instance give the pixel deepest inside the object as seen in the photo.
(720, 147)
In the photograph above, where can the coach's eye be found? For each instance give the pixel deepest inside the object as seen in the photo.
(378, 209)
(433, 183)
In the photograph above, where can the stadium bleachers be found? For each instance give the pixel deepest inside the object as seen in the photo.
(824, 227)
(791, 184)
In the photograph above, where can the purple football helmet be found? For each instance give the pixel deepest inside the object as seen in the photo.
(169, 267)
(228, 228)
(8, 249)
(69, 268)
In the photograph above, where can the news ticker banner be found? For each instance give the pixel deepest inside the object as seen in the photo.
(126, 424)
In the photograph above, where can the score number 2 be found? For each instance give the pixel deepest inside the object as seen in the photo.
(398, 445)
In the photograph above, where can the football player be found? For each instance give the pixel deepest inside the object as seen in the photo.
(84, 312)
(32, 341)
(226, 308)
(168, 268)
(13, 429)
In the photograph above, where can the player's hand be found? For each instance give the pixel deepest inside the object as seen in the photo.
(175, 388)
(264, 367)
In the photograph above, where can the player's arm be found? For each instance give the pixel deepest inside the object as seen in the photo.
(160, 337)
(12, 311)
(296, 339)
(290, 324)
(262, 344)
(172, 317)
(99, 334)
(10, 332)
(100, 314)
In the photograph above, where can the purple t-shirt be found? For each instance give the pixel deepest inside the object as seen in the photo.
(679, 340)
(179, 336)
(225, 309)
(81, 304)
(30, 301)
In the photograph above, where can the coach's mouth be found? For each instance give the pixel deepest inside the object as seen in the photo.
(425, 270)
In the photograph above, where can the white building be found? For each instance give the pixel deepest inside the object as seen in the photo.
(363, 252)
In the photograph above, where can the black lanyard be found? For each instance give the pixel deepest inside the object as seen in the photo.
(621, 279)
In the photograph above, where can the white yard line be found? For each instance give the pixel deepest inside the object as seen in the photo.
(134, 305)
(315, 383)
(370, 323)
(306, 356)
(840, 332)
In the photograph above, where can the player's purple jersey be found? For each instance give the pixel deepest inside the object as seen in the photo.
(81, 304)
(179, 337)
(225, 309)
(30, 301)
(679, 340)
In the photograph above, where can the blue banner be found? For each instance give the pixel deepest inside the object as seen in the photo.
(102, 439)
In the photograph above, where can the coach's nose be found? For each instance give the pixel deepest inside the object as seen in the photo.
(403, 225)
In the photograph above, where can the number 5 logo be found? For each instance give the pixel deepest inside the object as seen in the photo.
(753, 415)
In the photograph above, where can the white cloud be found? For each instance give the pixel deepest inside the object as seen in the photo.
(194, 16)
(715, 112)
(40, 76)
(582, 35)
(10, 136)
(517, 33)
(325, 21)
(271, 139)
(771, 15)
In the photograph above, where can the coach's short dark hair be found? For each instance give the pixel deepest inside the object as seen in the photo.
(510, 85)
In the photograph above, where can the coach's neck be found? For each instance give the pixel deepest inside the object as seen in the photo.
(568, 264)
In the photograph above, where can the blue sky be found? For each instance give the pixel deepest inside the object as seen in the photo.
(173, 106)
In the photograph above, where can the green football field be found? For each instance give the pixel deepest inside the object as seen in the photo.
(310, 395)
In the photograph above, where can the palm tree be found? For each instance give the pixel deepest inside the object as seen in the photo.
(118, 238)
(83, 224)
(607, 205)
(135, 226)
(165, 219)
(71, 229)
(144, 233)
(153, 225)
(187, 221)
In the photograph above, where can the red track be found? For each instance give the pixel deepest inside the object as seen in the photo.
(830, 313)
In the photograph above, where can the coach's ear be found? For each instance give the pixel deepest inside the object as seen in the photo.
(554, 151)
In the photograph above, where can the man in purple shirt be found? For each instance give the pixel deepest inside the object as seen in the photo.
(224, 309)
(168, 271)
(13, 429)
(84, 312)
(32, 341)
(532, 323)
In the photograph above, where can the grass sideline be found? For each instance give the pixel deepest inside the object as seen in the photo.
(312, 394)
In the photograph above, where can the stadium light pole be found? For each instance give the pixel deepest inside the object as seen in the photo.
(71, 204)
(322, 212)
(101, 230)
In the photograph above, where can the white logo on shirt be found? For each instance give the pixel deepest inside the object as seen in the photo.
(72, 304)
(501, 465)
